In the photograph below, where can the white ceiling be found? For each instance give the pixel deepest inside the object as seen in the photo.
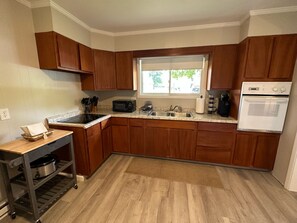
(134, 15)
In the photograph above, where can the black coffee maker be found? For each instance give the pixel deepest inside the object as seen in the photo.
(224, 105)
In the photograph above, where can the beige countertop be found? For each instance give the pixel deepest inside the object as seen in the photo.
(196, 118)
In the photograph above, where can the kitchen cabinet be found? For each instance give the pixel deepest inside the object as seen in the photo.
(87, 148)
(106, 130)
(105, 77)
(256, 150)
(136, 128)
(267, 58)
(86, 59)
(222, 66)
(174, 139)
(215, 142)
(125, 71)
(57, 52)
(120, 135)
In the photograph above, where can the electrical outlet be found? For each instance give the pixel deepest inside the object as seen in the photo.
(4, 114)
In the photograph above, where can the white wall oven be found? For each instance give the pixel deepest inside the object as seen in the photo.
(263, 106)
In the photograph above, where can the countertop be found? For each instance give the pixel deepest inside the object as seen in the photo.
(109, 113)
(22, 146)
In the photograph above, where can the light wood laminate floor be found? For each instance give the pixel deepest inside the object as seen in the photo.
(112, 195)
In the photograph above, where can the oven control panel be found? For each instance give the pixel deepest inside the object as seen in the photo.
(266, 88)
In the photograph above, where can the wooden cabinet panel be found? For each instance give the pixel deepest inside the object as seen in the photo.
(182, 144)
(266, 151)
(86, 58)
(156, 141)
(223, 66)
(137, 140)
(244, 151)
(120, 138)
(94, 141)
(212, 155)
(171, 124)
(220, 140)
(105, 77)
(219, 127)
(242, 56)
(119, 121)
(258, 57)
(68, 53)
(106, 130)
(283, 57)
(125, 71)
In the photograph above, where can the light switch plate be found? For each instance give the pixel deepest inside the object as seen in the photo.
(4, 114)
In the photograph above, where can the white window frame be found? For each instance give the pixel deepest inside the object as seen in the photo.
(203, 85)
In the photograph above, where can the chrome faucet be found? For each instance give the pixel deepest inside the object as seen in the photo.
(179, 108)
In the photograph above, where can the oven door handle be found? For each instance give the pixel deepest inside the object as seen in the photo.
(275, 100)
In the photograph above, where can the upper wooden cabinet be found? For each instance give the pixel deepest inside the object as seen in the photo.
(57, 52)
(86, 58)
(222, 67)
(125, 71)
(267, 58)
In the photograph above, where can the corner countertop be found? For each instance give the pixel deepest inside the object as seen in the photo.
(109, 113)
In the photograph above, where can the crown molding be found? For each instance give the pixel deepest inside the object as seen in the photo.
(25, 3)
(273, 10)
(181, 28)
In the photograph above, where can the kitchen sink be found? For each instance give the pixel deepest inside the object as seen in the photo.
(171, 114)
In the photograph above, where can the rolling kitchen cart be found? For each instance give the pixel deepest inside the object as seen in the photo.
(38, 194)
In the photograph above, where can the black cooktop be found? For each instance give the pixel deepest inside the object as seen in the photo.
(82, 119)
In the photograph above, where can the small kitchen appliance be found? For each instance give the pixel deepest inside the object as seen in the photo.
(263, 106)
(124, 105)
(224, 105)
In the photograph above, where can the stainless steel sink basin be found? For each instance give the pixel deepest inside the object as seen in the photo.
(171, 114)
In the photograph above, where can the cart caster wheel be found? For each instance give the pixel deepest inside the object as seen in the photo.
(75, 186)
(13, 215)
(38, 221)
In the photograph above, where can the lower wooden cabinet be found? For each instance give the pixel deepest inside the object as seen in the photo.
(120, 135)
(215, 142)
(87, 148)
(136, 128)
(256, 150)
(106, 130)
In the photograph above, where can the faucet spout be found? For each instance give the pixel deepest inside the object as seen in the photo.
(179, 108)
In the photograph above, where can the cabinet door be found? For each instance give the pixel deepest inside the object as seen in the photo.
(94, 147)
(68, 53)
(182, 144)
(106, 138)
(105, 77)
(244, 149)
(86, 58)
(124, 71)
(156, 141)
(120, 139)
(223, 66)
(137, 140)
(283, 57)
(266, 149)
(258, 57)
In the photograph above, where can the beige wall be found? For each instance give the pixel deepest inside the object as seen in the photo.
(29, 93)
(288, 136)
(244, 29)
(199, 37)
(273, 24)
(42, 19)
(103, 42)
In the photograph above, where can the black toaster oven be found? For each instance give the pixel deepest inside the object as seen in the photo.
(124, 105)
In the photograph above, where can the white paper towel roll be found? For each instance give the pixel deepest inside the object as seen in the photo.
(200, 104)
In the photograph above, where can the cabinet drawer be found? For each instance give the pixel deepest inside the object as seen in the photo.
(222, 127)
(93, 130)
(105, 123)
(171, 124)
(206, 154)
(220, 140)
(136, 122)
(119, 121)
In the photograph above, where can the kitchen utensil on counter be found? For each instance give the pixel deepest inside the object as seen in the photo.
(94, 101)
(147, 107)
(200, 101)
(224, 105)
